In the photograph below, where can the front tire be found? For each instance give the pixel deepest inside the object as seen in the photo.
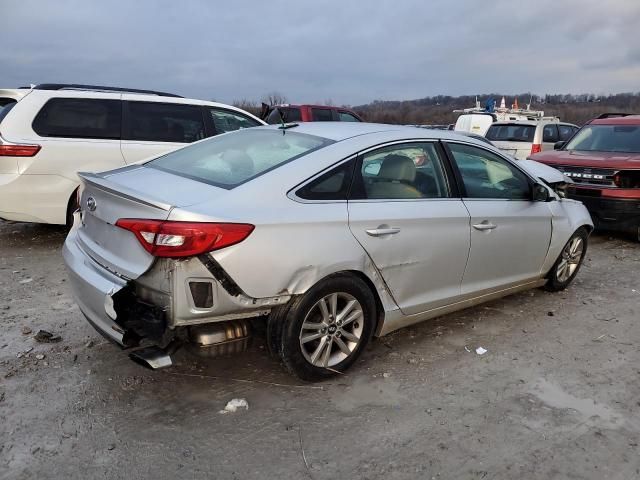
(569, 262)
(324, 331)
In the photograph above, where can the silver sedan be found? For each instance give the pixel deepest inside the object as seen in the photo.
(319, 234)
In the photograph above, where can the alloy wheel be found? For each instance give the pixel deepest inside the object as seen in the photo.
(571, 256)
(332, 329)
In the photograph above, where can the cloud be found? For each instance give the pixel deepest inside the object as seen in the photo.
(327, 49)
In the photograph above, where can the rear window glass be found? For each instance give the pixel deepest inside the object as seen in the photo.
(511, 133)
(321, 114)
(79, 118)
(228, 121)
(607, 138)
(291, 114)
(347, 117)
(165, 122)
(4, 109)
(230, 160)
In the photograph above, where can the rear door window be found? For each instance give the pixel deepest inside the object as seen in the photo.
(404, 171)
(164, 122)
(550, 133)
(512, 132)
(228, 121)
(79, 118)
(321, 115)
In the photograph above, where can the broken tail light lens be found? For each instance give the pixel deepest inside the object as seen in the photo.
(19, 150)
(536, 148)
(184, 239)
(627, 179)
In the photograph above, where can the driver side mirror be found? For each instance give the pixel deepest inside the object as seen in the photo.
(541, 193)
(559, 145)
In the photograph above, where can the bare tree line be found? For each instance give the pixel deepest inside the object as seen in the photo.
(439, 109)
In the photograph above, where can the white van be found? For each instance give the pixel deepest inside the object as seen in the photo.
(524, 138)
(51, 131)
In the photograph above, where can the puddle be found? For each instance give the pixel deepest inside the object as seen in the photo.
(554, 396)
(381, 393)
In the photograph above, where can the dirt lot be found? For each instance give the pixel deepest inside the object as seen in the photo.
(557, 395)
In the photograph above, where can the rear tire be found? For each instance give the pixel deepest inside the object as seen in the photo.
(324, 331)
(569, 262)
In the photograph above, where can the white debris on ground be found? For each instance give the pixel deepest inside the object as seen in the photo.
(234, 405)
(481, 351)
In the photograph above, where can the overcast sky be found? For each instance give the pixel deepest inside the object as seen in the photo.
(316, 50)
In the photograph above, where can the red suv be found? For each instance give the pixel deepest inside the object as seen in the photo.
(307, 113)
(603, 160)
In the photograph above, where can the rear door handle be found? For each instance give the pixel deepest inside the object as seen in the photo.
(378, 232)
(485, 225)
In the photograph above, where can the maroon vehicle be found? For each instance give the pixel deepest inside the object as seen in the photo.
(307, 113)
(603, 160)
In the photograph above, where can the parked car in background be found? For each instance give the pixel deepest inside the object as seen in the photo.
(307, 113)
(51, 131)
(526, 137)
(603, 160)
(175, 250)
(9, 96)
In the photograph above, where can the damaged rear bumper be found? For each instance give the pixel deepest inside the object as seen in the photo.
(93, 288)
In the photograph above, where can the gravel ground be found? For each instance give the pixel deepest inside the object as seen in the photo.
(556, 395)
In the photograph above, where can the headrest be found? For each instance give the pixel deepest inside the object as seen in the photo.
(397, 167)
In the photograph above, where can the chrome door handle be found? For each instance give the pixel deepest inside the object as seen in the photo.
(378, 232)
(484, 226)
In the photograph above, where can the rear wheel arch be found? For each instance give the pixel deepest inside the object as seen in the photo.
(72, 206)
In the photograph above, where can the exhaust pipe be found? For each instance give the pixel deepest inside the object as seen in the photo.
(155, 357)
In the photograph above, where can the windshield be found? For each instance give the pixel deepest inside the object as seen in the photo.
(607, 138)
(234, 158)
(512, 132)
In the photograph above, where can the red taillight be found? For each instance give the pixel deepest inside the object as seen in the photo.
(536, 148)
(19, 150)
(184, 239)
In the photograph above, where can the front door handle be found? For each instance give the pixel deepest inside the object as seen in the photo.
(484, 225)
(378, 232)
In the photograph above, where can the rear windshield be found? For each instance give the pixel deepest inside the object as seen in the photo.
(290, 114)
(5, 106)
(234, 158)
(607, 138)
(512, 132)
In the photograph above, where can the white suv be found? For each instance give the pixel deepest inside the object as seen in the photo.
(51, 131)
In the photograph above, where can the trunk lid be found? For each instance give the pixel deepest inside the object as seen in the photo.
(130, 192)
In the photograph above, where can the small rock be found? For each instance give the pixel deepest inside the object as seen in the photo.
(47, 337)
(386, 374)
(550, 314)
(235, 404)
(412, 361)
(26, 330)
(35, 450)
(89, 344)
(40, 356)
(111, 446)
(26, 280)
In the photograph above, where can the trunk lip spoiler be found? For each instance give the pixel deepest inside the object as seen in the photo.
(99, 181)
